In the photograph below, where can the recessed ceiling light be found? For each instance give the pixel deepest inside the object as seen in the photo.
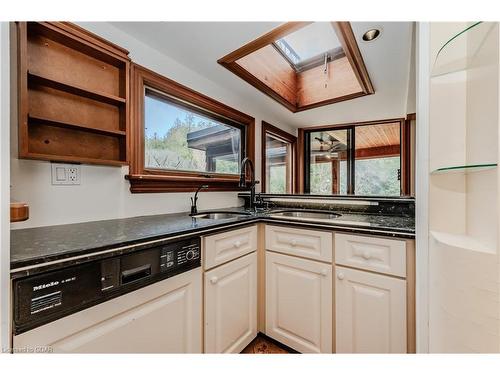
(371, 35)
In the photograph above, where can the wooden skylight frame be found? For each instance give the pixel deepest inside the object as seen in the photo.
(298, 91)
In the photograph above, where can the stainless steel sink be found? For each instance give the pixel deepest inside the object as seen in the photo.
(317, 215)
(220, 215)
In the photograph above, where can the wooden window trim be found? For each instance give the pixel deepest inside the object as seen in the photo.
(404, 146)
(409, 168)
(144, 180)
(267, 128)
(347, 40)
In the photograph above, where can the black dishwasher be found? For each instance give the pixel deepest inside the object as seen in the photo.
(43, 298)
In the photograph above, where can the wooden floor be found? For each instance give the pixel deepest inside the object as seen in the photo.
(262, 345)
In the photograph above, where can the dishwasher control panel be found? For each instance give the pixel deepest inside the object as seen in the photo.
(174, 258)
(43, 298)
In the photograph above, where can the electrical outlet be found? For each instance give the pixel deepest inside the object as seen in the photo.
(74, 175)
(65, 174)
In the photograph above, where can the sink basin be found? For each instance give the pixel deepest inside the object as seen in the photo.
(220, 215)
(307, 214)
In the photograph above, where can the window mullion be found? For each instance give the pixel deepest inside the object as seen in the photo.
(351, 151)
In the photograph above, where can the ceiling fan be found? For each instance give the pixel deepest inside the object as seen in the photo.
(329, 146)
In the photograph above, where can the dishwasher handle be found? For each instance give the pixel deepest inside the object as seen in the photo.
(135, 274)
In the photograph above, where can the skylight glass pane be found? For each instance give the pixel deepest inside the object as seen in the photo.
(309, 42)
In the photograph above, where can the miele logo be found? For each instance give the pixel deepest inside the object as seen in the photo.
(43, 286)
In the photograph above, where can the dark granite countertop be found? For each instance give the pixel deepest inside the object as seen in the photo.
(39, 246)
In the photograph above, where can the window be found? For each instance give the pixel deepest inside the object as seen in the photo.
(378, 160)
(181, 139)
(363, 159)
(310, 46)
(328, 166)
(278, 160)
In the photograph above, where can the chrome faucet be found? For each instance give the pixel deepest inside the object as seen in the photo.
(243, 183)
(194, 209)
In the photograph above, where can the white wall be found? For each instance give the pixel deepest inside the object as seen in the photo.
(422, 187)
(411, 99)
(4, 188)
(104, 193)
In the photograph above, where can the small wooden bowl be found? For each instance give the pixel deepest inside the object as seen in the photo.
(19, 212)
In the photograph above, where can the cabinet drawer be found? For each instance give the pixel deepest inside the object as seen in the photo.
(301, 242)
(223, 247)
(371, 253)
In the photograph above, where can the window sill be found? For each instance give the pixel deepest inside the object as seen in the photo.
(144, 183)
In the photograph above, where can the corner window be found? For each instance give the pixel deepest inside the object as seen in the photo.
(278, 160)
(180, 137)
(360, 159)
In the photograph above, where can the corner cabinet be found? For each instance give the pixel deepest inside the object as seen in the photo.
(230, 290)
(299, 303)
(73, 89)
(374, 300)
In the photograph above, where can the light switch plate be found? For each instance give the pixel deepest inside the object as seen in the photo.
(65, 174)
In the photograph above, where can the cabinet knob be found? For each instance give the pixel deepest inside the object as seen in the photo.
(293, 242)
(340, 276)
(366, 255)
(324, 272)
(214, 280)
(237, 244)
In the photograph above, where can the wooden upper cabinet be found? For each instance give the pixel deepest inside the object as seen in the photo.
(73, 95)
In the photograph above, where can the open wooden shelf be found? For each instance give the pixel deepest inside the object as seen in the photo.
(73, 95)
(77, 90)
(83, 160)
(60, 124)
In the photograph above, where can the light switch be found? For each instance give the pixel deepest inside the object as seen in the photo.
(60, 174)
(65, 174)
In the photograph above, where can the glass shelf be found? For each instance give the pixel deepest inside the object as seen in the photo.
(465, 168)
(458, 53)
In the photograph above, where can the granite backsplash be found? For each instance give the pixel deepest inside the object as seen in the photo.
(404, 207)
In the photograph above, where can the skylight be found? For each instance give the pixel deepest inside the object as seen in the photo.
(308, 45)
(303, 65)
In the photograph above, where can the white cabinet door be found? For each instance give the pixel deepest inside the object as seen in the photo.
(299, 303)
(370, 312)
(223, 247)
(231, 305)
(164, 317)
